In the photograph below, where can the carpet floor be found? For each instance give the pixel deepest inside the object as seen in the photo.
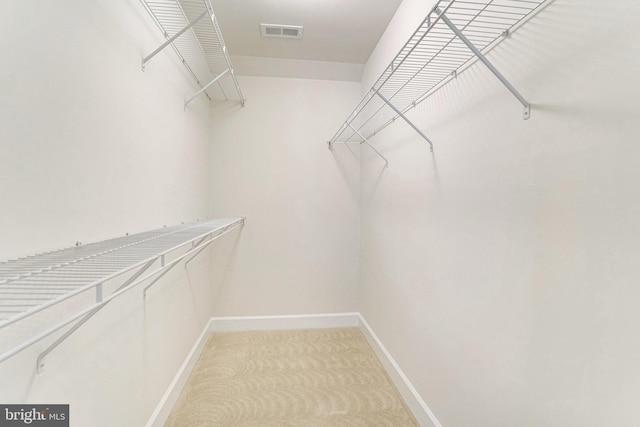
(301, 378)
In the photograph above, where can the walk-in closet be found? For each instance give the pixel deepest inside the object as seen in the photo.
(319, 213)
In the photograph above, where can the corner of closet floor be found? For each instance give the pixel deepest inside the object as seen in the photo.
(170, 397)
(412, 398)
(414, 401)
(294, 321)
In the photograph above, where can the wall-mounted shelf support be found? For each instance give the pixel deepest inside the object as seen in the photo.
(485, 61)
(34, 284)
(452, 37)
(172, 39)
(196, 248)
(40, 362)
(199, 44)
(399, 113)
(365, 140)
(205, 87)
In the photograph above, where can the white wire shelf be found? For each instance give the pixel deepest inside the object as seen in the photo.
(453, 35)
(34, 284)
(191, 29)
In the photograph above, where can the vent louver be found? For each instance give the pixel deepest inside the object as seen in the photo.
(284, 31)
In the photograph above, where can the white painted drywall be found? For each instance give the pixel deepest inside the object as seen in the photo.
(91, 148)
(501, 272)
(269, 162)
(296, 68)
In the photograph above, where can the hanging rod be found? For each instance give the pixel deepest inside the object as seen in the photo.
(32, 285)
(192, 30)
(453, 35)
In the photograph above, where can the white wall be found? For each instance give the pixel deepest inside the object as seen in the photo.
(90, 148)
(270, 162)
(501, 271)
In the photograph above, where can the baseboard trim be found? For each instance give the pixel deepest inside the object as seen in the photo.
(296, 321)
(416, 404)
(170, 397)
(424, 415)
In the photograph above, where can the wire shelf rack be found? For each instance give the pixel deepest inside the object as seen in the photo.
(34, 284)
(192, 30)
(453, 35)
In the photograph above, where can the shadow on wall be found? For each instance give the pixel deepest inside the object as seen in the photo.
(407, 151)
(368, 194)
(220, 110)
(222, 253)
(222, 269)
(348, 161)
(181, 306)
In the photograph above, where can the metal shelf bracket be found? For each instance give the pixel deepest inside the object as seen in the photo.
(37, 283)
(172, 39)
(365, 140)
(399, 113)
(205, 87)
(485, 61)
(40, 362)
(198, 43)
(453, 36)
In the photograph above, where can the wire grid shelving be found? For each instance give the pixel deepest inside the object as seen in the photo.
(192, 30)
(452, 36)
(36, 283)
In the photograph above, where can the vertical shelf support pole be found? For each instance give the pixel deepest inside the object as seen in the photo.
(386, 162)
(172, 39)
(485, 61)
(206, 87)
(399, 113)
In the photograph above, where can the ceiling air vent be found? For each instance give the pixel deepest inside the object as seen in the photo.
(286, 31)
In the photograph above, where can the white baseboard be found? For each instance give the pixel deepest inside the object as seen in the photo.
(418, 407)
(170, 397)
(420, 410)
(301, 321)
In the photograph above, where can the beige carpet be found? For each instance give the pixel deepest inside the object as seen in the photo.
(301, 378)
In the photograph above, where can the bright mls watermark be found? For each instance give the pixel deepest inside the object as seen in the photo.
(34, 415)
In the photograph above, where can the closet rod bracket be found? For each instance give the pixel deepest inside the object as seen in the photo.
(485, 61)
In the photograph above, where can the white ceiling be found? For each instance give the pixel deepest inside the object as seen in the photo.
(343, 31)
